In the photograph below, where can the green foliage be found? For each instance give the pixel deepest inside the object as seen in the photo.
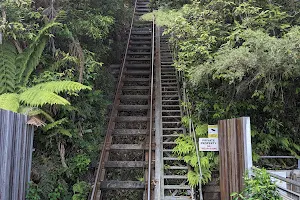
(58, 193)
(39, 40)
(22, 22)
(81, 190)
(169, 3)
(241, 58)
(61, 86)
(10, 101)
(162, 17)
(32, 193)
(55, 124)
(80, 164)
(259, 187)
(8, 55)
(39, 95)
(96, 27)
(186, 150)
(18, 67)
(30, 58)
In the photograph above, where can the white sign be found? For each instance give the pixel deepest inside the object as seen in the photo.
(208, 144)
(212, 131)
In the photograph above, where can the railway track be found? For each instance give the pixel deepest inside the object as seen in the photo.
(135, 163)
(172, 172)
(125, 166)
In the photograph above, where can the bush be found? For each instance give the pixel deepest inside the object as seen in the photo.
(81, 191)
(258, 187)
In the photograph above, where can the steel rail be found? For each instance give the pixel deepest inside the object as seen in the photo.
(151, 112)
(158, 119)
(277, 157)
(111, 120)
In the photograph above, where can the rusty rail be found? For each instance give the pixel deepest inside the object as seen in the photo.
(151, 112)
(111, 120)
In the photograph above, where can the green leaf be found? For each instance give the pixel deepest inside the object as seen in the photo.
(55, 124)
(36, 98)
(65, 132)
(8, 55)
(9, 101)
(61, 86)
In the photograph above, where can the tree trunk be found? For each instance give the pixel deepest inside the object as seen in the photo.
(62, 152)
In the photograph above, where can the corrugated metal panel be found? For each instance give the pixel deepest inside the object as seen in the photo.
(16, 141)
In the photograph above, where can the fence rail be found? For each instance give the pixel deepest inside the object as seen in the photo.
(16, 141)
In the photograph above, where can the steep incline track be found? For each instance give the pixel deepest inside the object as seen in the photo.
(123, 168)
(170, 171)
(126, 167)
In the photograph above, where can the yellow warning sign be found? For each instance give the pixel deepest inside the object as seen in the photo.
(212, 131)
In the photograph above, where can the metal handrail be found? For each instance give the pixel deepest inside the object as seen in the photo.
(151, 111)
(281, 157)
(111, 121)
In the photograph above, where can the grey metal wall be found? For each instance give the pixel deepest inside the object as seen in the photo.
(16, 141)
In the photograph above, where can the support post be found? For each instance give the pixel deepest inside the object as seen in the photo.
(235, 154)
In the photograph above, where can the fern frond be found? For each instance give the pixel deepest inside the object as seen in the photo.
(30, 58)
(61, 86)
(55, 124)
(44, 31)
(65, 132)
(61, 16)
(10, 101)
(8, 55)
(30, 111)
(35, 97)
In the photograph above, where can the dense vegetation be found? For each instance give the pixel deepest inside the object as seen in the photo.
(240, 58)
(50, 51)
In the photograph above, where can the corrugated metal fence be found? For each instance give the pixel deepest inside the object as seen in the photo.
(16, 141)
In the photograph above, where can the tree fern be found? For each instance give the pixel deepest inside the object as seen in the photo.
(9, 101)
(35, 97)
(29, 59)
(17, 68)
(7, 67)
(47, 93)
(61, 86)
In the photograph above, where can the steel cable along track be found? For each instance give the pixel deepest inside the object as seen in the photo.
(123, 168)
(173, 174)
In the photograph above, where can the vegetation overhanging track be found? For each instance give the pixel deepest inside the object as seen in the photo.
(125, 166)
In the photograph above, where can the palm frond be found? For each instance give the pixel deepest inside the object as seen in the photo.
(10, 101)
